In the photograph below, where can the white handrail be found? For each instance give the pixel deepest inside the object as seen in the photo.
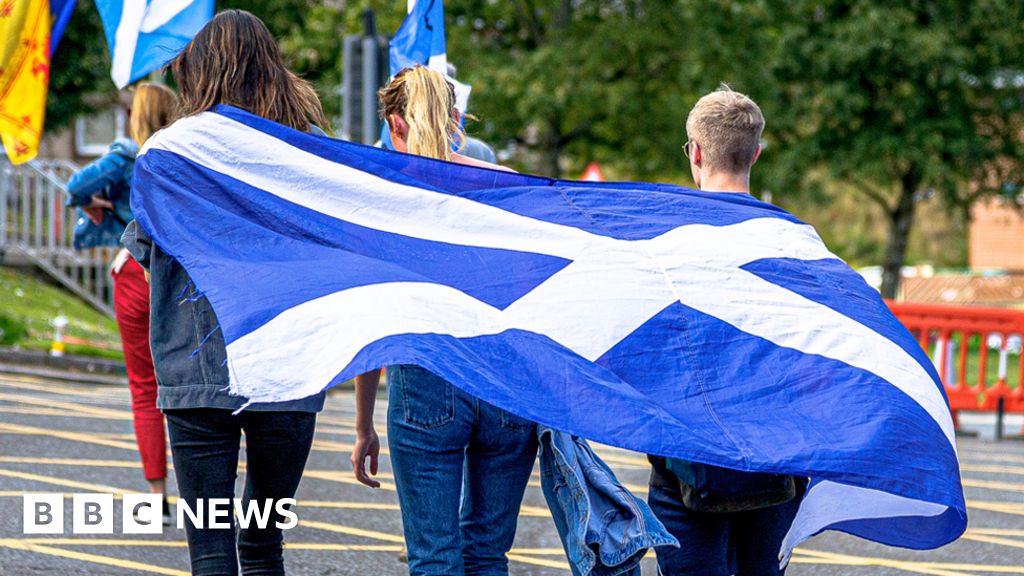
(35, 224)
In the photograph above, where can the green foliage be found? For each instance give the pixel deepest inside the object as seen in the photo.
(79, 70)
(11, 330)
(899, 100)
(578, 81)
(310, 34)
(882, 101)
(30, 305)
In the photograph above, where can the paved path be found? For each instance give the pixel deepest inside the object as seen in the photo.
(63, 437)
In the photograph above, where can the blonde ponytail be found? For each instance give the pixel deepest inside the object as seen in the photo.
(426, 101)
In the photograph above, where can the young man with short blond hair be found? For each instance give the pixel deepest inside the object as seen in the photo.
(727, 521)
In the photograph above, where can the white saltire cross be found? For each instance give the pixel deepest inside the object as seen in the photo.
(138, 17)
(610, 288)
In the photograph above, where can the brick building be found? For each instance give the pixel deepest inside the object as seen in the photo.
(995, 238)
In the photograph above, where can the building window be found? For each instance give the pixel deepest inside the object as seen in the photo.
(94, 133)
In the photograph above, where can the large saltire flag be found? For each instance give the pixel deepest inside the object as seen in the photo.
(24, 75)
(710, 327)
(144, 35)
(420, 40)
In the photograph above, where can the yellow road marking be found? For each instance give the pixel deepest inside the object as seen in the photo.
(993, 540)
(56, 541)
(1018, 470)
(343, 447)
(70, 462)
(61, 482)
(328, 419)
(994, 485)
(326, 547)
(538, 561)
(93, 558)
(917, 567)
(66, 389)
(989, 457)
(346, 505)
(316, 546)
(52, 412)
(538, 551)
(351, 531)
(65, 435)
(996, 531)
(73, 406)
(1004, 507)
(346, 478)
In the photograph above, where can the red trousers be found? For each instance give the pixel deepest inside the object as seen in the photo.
(131, 307)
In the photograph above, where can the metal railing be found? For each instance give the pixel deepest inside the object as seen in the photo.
(35, 224)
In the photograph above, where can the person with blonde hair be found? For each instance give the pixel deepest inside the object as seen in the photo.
(101, 191)
(728, 521)
(460, 464)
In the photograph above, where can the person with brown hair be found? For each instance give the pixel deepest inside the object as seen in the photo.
(233, 61)
(102, 192)
(460, 464)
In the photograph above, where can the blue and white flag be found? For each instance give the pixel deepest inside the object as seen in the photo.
(710, 327)
(143, 35)
(60, 11)
(420, 40)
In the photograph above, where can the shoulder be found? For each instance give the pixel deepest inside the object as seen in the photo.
(124, 148)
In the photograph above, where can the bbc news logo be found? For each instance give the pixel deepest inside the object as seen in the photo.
(143, 513)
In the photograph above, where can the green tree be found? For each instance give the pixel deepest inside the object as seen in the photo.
(900, 100)
(570, 81)
(577, 81)
(79, 70)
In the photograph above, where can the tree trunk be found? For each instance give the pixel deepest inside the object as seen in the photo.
(901, 219)
(551, 151)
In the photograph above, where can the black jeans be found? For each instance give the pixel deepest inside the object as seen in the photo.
(204, 446)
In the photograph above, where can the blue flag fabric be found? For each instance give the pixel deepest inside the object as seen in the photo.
(144, 35)
(710, 327)
(420, 37)
(60, 11)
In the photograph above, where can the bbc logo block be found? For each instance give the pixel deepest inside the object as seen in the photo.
(92, 513)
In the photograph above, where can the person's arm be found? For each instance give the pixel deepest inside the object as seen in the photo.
(460, 159)
(95, 178)
(367, 442)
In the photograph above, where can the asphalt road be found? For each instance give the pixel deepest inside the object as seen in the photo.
(77, 438)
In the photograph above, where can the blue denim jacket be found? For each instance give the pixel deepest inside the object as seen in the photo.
(605, 529)
(189, 352)
(109, 176)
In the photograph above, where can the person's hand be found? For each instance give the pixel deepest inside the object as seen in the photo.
(96, 209)
(367, 446)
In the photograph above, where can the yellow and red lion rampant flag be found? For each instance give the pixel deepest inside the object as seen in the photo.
(24, 75)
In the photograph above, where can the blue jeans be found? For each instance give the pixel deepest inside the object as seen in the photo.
(458, 462)
(204, 446)
(721, 544)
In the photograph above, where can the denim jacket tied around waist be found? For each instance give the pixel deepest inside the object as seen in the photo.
(604, 528)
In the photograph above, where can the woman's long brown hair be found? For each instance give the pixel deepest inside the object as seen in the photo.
(235, 60)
